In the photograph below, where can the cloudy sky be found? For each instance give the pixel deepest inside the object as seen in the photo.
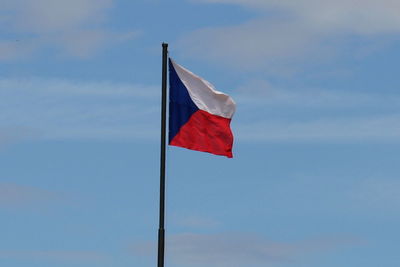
(314, 180)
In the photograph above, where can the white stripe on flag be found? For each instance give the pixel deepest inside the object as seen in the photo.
(204, 94)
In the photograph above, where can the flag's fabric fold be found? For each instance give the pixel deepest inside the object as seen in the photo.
(199, 115)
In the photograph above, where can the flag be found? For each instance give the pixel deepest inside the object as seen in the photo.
(199, 115)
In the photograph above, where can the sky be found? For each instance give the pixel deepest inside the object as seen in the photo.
(314, 180)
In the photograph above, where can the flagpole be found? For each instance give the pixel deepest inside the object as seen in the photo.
(161, 230)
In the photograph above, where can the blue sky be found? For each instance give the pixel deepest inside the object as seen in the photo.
(314, 181)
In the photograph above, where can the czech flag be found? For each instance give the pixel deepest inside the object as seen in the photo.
(199, 115)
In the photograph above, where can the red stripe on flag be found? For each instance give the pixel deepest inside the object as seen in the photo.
(206, 132)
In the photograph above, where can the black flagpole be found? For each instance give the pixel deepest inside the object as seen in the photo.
(161, 230)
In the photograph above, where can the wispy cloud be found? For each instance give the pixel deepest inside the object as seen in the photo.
(11, 135)
(227, 250)
(262, 93)
(239, 250)
(14, 49)
(62, 109)
(375, 129)
(343, 15)
(39, 16)
(55, 256)
(267, 113)
(73, 27)
(380, 194)
(286, 32)
(14, 195)
(253, 44)
(194, 221)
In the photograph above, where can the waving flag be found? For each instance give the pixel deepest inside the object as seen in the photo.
(199, 115)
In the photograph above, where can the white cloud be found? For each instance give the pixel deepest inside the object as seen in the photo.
(61, 109)
(85, 43)
(41, 16)
(14, 195)
(75, 27)
(15, 49)
(55, 256)
(357, 16)
(194, 221)
(287, 32)
(240, 250)
(15, 134)
(260, 93)
(361, 129)
(227, 250)
(252, 44)
(267, 113)
(378, 193)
